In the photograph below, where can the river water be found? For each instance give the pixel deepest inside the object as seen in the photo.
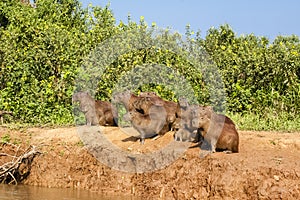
(25, 192)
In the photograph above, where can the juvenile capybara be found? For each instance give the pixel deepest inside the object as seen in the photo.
(176, 125)
(184, 135)
(184, 112)
(182, 105)
(218, 130)
(148, 125)
(96, 112)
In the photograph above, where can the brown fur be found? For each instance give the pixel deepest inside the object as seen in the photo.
(95, 111)
(184, 112)
(183, 122)
(218, 130)
(148, 125)
(127, 99)
(181, 106)
(107, 115)
(169, 106)
(145, 102)
(208, 110)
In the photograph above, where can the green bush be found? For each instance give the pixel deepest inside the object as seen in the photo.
(257, 74)
(41, 51)
(50, 51)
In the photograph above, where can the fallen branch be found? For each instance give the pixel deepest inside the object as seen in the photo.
(19, 167)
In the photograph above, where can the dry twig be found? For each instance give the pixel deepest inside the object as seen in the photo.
(18, 168)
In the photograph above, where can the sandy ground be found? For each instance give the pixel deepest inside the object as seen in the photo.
(267, 166)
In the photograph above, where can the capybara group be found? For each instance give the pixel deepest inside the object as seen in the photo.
(151, 115)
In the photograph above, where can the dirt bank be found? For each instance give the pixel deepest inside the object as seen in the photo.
(267, 167)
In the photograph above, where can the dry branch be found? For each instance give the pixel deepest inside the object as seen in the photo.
(18, 168)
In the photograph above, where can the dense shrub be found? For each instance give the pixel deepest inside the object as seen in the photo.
(57, 47)
(41, 51)
(257, 74)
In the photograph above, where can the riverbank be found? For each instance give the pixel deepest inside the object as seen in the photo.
(268, 166)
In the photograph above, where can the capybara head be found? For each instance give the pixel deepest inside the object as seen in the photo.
(201, 121)
(202, 110)
(80, 96)
(122, 96)
(183, 102)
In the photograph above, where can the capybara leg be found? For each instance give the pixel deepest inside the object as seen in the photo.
(88, 123)
(175, 136)
(102, 121)
(142, 140)
(213, 144)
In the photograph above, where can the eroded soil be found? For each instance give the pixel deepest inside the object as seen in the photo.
(267, 166)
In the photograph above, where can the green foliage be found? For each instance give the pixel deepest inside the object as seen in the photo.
(41, 51)
(271, 120)
(50, 51)
(5, 139)
(257, 75)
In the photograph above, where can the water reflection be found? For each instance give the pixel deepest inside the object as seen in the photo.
(25, 192)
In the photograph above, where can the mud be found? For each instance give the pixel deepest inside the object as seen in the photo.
(266, 167)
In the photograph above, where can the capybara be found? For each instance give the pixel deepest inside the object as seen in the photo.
(184, 135)
(145, 102)
(87, 106)
(176, 125)
(96, 112)
(148, 125)
(218, 130)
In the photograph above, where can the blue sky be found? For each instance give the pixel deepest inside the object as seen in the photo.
(262, 17)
